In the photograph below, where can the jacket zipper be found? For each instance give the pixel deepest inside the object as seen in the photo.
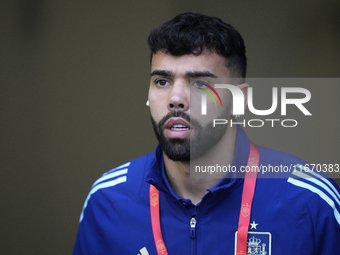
(193, 235)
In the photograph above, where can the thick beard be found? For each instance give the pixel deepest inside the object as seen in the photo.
(184, 150)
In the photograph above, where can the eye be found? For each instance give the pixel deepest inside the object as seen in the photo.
(162, 82)
(200, 84)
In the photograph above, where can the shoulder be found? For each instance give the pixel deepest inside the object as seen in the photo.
(276, 157)
(124, 182)
(317, 199)
(301, 185)
(127, 176)
(316, 191)
(276, 164)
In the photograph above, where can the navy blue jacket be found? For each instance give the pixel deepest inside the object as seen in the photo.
(295, 214)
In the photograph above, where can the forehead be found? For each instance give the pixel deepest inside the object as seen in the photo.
(179, 65)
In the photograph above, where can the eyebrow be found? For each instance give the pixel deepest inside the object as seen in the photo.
(161, 73)
(196, 74)
(193, 74)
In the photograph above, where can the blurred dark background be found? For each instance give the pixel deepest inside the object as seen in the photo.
(73, 85)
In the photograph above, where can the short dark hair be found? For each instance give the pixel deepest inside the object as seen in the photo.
(191, 33)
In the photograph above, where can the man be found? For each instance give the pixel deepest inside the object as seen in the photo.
(151, 205)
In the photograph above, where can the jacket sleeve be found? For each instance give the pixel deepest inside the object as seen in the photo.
(326, 217)
(88, 237)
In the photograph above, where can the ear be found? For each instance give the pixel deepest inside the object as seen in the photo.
(244, 87)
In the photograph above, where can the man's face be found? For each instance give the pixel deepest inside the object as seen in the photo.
(175, 80)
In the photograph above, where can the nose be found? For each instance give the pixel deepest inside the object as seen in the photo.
(179, 98)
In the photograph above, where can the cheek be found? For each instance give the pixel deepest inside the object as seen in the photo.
(226, 98)
(156, 96)
(158, 108)
(196, 101)
(212, 111)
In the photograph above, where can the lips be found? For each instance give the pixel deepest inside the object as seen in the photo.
(178, 122)
(177, 128)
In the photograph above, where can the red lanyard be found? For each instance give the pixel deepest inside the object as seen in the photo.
(247, 200)
(244, 218)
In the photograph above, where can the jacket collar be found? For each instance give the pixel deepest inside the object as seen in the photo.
(156, 176)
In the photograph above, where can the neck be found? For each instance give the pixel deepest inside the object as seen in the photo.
(178, 173)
